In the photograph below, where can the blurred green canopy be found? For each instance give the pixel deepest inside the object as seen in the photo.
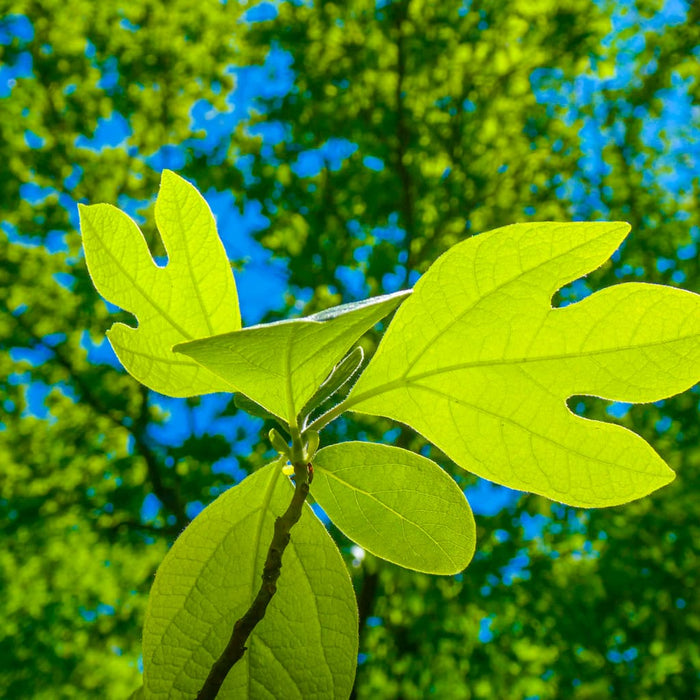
(355, 141)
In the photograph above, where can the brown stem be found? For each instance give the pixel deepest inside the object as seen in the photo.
(271, 572)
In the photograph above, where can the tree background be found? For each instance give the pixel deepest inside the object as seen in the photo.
(342, 148)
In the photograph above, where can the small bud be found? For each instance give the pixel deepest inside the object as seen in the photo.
(288, 470)
(312, 442)
(278, 442)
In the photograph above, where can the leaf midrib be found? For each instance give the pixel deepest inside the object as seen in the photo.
(546, 358)
(400, 517)
(522, 273)
(407, 381)
(526, 429)
(190, 270)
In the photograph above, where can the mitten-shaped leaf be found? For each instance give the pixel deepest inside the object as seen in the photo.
(280, 365)
(193, 296)
(479, 362)
(397, 505)
(306, 645)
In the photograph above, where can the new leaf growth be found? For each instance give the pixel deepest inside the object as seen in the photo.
(476, 360)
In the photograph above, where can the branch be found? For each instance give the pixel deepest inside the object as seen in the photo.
(168, 496)
(271, 572)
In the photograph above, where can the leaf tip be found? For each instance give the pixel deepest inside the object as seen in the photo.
(668, 477)
(178, 348)
(169, 178)
(619, 229)
(167, 174)
(625, 226)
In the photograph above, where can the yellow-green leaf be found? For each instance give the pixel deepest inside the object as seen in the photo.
(479, 362)
(193, 296)
(305, 648)
(397, 505)
(280, 365)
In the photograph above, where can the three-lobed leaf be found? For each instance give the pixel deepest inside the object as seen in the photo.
(306, 645)
(281, 365)
(193, 296)
(479, 362)
(396, 504)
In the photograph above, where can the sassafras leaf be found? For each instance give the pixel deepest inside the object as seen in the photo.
(396, 504)
(281, 365)
(305, 648)
(479, 362)
(193, 296)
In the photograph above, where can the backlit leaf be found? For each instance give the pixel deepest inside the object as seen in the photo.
(193, 296)
(280, 365)
(254, 409)
(396, 504)
(479, 362)
(305, 646)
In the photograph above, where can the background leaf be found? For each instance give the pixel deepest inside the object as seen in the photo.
(306, 645)
(397, 505)
(194, 295)
(280, 365)
(480, 364)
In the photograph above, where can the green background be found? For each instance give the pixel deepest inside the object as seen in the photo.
(373, 137)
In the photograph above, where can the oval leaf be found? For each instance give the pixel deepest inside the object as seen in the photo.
(397, 505)
(479, 362)
(305, 646)
(193, 296)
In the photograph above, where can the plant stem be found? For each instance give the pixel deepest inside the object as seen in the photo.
(271, 571)
(355, 398)
(323, 420)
